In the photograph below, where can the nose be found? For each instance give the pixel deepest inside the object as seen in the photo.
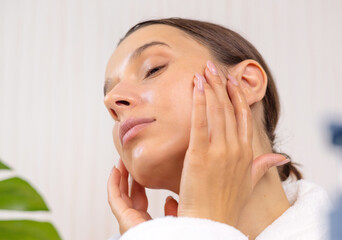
(120, 100)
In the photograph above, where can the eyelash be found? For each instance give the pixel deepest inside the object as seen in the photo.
(150, 72)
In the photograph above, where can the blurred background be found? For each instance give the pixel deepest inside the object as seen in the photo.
(56, 132)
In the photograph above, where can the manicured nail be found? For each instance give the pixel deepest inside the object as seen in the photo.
(233, 80)
(200, 81)
(168, 198)
(283, 162)
(200, 76)
(212, 67)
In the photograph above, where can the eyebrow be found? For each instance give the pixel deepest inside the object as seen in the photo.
(137, 52)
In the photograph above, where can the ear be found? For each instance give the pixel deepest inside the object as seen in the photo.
(252, 79)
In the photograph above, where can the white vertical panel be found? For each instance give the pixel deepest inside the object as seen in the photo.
(55, 131)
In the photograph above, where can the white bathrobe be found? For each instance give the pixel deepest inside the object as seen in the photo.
(306, 219)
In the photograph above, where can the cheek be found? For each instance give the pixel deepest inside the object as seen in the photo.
(175, 113)
(159, 155)
(116, 139)
(181, 96)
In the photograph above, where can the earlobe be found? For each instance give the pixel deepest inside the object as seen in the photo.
(253, 80)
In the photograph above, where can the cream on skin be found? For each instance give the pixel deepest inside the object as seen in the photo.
(155, 156)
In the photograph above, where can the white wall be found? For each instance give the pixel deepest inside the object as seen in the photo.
(56, 132)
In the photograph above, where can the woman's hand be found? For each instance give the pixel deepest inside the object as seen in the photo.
(219, 173)
(128, 210)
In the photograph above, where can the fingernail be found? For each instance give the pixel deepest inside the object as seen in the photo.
(200, 77)
(168, 198)
(212, 67)
(200, 81)
(283, 162)
(233, 80)
(111, 171)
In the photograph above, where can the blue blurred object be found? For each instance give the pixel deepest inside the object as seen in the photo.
(336, 213)
(336, 132)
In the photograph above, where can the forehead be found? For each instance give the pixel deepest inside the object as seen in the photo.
(178, 40)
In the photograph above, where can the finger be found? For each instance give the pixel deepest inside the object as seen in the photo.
(199, 122)
(263, 163)
(170, 207)
(117, 204)
(242, 111)
(215, 114)
(218, 83)
(124, 179)
(138, 196)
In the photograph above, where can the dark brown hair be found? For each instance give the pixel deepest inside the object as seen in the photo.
(230, 48)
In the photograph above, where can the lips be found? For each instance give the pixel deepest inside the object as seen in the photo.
(130, 123)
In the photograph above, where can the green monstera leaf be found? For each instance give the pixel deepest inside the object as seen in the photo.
(18, 195)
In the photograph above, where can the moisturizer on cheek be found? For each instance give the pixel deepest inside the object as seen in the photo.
(137, 152)
(148, 96)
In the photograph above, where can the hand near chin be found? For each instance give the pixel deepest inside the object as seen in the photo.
(128, 210)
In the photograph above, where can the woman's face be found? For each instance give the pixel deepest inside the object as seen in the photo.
(156, 83)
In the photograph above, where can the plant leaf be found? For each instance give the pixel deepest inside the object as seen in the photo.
(27, 230)
(17, 194)
(3, 166)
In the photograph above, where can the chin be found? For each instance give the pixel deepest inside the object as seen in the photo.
(156, 162)
(152, 172)
(154, 169)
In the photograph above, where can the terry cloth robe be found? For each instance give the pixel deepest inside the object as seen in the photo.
(307, 218)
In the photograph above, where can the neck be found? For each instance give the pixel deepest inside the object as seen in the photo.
(268, 201)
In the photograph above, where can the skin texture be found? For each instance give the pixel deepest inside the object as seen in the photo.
(156, 155)
(172, 111)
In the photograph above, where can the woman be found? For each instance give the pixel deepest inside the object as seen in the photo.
(196, 108)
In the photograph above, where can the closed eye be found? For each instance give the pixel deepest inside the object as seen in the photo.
(154, 70)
